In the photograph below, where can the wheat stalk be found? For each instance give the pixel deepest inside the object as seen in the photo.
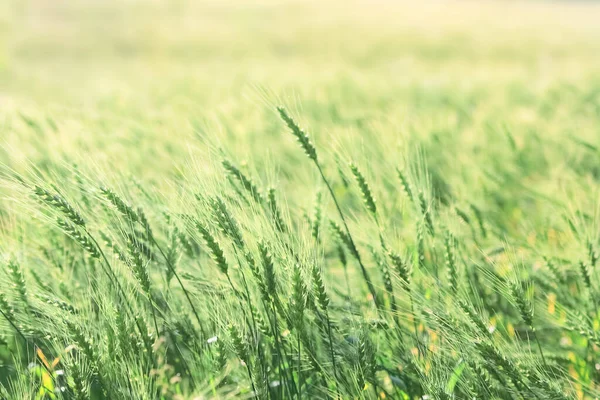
(310, 150)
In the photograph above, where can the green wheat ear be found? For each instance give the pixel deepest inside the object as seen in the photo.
(365, 189)
(275, 211)
(300, 135)
(523, 303)
(83, 343)
(246, 182)
(343, 236)
(226, 222)
(581, 323)
(58, 202)
(405, 185)
(6, 308)
(239, 344)
(120, 204)
(450, 247)
(145, 223)
(366, 359)
(298, 300)
(474, 317)
(80, 238)
(215, 249)
(557, 273)
(319, 288)
(18, 280)
(402, 268)
(479, 218)
(138, 266)
(593, 254)
(268, 268)
(426, 210)
(584, 269)
(317, 217)
(80, 381)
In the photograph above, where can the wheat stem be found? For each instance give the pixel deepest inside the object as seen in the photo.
(185, 291)
(364, 271)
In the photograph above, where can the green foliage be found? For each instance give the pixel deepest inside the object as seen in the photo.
(456, 257)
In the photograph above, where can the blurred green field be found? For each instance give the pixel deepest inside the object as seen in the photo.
(113, 73)
(476, 126)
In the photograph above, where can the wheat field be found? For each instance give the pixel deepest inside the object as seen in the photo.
(299, 199)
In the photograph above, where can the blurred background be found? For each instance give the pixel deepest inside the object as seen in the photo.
(112, 73)
(76, 49)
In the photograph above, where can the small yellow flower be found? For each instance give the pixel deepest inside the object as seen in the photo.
(511, 330)
(551, 303)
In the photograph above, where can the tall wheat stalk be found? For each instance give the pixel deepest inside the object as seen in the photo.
(311, 152)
